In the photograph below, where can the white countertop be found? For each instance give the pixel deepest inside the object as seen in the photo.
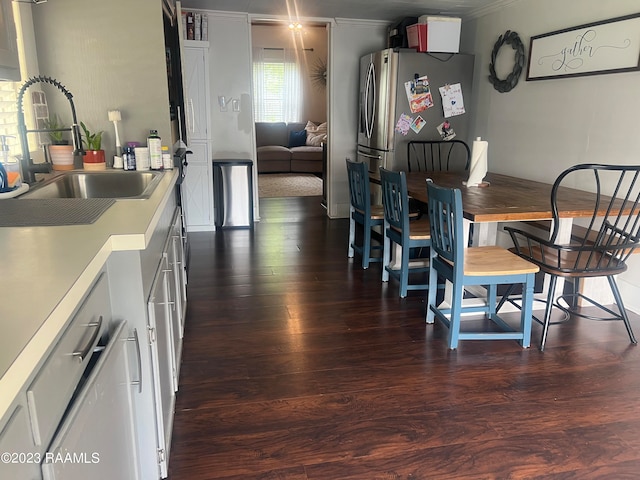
(47, 270)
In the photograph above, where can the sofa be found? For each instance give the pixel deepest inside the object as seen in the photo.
(290, 147)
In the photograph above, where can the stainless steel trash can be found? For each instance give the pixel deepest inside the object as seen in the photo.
(233, 193)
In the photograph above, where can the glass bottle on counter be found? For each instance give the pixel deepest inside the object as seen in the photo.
(128, 158)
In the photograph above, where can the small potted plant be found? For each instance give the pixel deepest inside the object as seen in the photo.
(60, 152)
(94, 158)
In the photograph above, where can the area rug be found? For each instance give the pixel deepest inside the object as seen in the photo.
(289, 185)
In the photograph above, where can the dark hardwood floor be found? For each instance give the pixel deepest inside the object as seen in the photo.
(298, 364)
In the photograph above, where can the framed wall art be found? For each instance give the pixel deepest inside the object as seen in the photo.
(609, 46)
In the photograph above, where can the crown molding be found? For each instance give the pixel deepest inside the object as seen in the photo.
(356, 22)
(489, 9)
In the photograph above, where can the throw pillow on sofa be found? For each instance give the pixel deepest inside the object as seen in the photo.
(298, 139)
(316, 134)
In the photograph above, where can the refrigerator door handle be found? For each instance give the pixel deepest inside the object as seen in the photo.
(370, 94)
(368, 155)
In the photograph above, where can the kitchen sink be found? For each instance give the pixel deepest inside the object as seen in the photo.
(108, 184)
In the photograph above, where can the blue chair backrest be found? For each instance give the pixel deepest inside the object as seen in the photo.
(395, 198)
(359, 190)
(445, 216)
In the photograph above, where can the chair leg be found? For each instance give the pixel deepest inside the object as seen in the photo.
(492, 301)
(526, 311)
(433, 288)
(386, 253)
(547, 313)
(352, 232)
(366, 244)
(623, 311)
(576, 291)
(454, 319)
(404, 272)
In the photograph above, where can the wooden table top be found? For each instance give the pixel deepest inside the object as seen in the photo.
(504, 199)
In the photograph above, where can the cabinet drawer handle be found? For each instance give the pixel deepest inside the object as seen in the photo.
(137, 342)
(88, 348)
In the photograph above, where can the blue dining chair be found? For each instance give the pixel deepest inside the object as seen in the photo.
(362, 213)
(400, 230)
(488, 266)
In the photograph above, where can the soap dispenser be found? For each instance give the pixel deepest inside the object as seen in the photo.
(10, 164)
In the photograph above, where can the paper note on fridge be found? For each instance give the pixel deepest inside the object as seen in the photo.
(452, 100)
(419, 94)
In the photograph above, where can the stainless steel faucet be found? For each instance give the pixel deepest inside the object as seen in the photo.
(29, 169)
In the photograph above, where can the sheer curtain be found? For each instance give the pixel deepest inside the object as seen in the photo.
(277, 95)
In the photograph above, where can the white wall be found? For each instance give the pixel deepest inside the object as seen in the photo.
(111, 56)
(230, 76)
(542, 127)
(349, 40)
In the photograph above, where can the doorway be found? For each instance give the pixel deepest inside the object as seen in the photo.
(290, 107)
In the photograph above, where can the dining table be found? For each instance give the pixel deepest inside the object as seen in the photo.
(503, 198)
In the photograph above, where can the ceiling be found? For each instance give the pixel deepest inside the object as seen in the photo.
(390, 10)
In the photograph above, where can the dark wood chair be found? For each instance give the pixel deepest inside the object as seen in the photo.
(438, 155)
(362, 213)
(488, 266)
(599, 247)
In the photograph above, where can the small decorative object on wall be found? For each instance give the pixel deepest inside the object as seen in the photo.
(513, 40)
(609, 46)
(319, 73)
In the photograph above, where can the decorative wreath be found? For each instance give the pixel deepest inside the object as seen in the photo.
(506, 85)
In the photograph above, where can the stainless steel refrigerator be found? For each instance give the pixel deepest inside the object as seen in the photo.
(383, 99)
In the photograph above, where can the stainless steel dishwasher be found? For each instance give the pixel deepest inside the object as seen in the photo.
(233, 193)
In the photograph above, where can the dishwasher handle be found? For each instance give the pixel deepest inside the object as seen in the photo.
(88, 348)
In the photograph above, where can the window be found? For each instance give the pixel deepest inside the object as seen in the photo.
(9, 115)
(277, 85)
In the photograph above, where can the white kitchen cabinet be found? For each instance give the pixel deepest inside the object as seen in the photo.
(161, 344)
(145, 293)
(165, 328)
(41, 406)
(50, 392)
(195, 64)
(197, 189)
(176, 289)
(198, 184)
(15, 440)
(180, 269)
(97, 438)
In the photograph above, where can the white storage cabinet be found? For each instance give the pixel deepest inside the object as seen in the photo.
(198, 185)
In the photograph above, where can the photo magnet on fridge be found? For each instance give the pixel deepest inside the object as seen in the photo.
(446, 130)
(419, 94)
(417, 124)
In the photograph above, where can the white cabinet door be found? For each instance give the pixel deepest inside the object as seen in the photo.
(195, 64)
(163, 361)
(97, 437)
(19, 457)
(181, 268)
(198, 189)
(173, 300)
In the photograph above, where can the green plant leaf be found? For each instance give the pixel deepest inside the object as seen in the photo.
(93, 141)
